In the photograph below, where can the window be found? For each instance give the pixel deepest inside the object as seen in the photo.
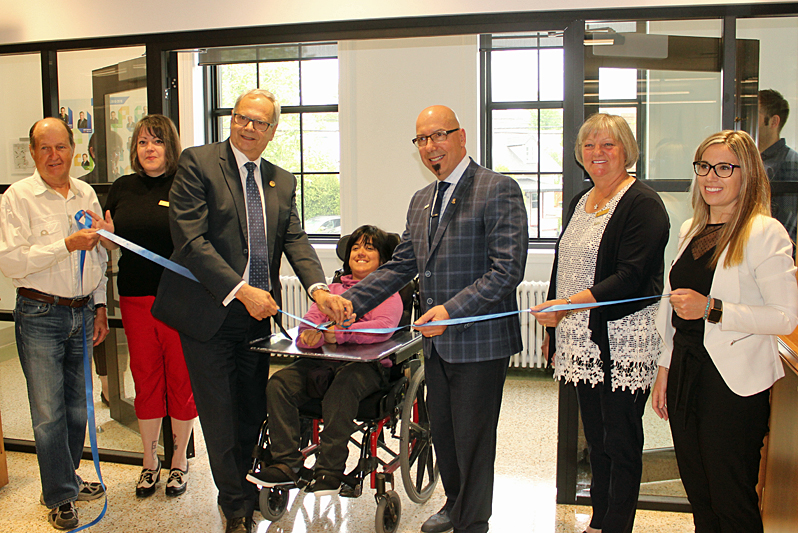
(523, 133)
(304, 78)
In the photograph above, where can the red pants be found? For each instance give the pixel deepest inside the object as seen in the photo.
(157, 363)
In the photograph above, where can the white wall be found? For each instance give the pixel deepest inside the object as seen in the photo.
(21, 97)
(47, 20)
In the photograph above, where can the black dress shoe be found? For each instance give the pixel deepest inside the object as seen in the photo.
(438, 523)
(239, 524)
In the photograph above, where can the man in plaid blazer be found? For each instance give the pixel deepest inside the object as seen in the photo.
(469, 263)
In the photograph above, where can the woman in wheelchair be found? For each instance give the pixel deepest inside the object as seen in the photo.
(340, 385)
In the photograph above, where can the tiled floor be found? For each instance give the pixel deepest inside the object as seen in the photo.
(524, 498)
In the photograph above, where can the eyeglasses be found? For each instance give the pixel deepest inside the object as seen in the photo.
(722, 170)
(436, 137)
(243, 120)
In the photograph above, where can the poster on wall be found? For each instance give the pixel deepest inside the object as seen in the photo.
(77, 113)
(21, 160)
(122, 111)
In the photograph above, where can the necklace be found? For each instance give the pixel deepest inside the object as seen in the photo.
(610, 195)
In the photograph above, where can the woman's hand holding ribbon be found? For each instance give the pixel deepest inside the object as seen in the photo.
(688, 304)
(107, 224)
(549, 320)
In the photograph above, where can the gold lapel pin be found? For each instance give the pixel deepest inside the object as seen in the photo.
(454, 201)
(426, 206)
(272, 184)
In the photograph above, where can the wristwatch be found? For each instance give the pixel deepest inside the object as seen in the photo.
(716, 312)
(320, 287)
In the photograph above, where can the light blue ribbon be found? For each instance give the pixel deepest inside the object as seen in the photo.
(166, 263)
(143, 252)
(88, 380)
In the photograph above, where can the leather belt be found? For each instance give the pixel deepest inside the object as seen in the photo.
(49, 299)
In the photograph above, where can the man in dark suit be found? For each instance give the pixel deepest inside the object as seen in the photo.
(469, 263)
(216, 206)
(82, 122)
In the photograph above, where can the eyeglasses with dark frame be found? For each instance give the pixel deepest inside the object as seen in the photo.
(722, 170)
(243, 120)
(436, 136)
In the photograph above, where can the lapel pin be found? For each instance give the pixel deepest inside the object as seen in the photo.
(272, 184)
(454, 201)
(426, 206)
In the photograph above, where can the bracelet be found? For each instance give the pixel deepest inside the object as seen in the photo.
(568, 300)
(706, 310)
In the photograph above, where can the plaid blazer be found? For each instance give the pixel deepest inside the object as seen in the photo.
(472, 267)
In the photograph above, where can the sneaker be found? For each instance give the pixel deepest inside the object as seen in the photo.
(273, 476)
(88, 492)
(178, 481)
(147, 481)
(324, 485)
(91, 491)
(438, 523)
(63, 517)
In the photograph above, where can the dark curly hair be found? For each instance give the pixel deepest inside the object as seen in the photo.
(382, 241)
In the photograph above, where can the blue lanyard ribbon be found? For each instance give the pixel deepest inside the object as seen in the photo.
(80, 216)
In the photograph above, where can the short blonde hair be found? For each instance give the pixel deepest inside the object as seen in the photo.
(753, 199)
(618, 129)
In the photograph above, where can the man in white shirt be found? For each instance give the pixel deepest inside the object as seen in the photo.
(40, 250)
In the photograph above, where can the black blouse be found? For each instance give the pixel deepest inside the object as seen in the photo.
(139, 206)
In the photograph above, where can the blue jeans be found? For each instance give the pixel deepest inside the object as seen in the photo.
(50, 346)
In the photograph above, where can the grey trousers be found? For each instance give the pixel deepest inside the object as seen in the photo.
(287, 391)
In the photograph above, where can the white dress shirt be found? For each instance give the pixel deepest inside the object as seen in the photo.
(34, 223)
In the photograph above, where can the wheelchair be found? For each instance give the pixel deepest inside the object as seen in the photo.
(397, 412)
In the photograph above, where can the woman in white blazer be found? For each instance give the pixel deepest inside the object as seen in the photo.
(733, 289)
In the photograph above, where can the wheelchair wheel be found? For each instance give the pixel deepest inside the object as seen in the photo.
(273, 502)
(389, 512)
(416, 455)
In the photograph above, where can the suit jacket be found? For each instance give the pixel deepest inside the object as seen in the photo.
(760, 301)
(473, 266)
(83, 124)
(208, 221)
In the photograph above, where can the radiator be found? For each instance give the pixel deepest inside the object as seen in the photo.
(529, 294)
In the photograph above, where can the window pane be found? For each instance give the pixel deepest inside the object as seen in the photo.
(551, 149)
(320, 82)
(617, 84)
(514, 75)
(550, 206)
(628, 113)
(281, 79)
(322, 197)
(284, 150)
(321, 142)
(515, 140)
(551, 74)
(22, 106)
(234, 80)
(224, 127)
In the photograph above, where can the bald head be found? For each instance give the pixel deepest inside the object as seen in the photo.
(46, 123)
(440, 156)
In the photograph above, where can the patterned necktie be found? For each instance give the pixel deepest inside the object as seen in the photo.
(258, 248)
(435, 216)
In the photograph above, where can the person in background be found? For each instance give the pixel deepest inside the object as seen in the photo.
(732, 290)
(781, 161)
(366, 249)
(40, 250)
(63, 116)
(83, 124)
(137, 209)
(611, 248)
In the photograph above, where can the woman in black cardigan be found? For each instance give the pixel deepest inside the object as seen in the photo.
(611, 248)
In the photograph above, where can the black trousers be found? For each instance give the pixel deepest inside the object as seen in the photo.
(613, 424)
(287, 391)
(717, 436)
(464, 401)
(229, 383)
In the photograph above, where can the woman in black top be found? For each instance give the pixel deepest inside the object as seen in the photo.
(137, 209)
